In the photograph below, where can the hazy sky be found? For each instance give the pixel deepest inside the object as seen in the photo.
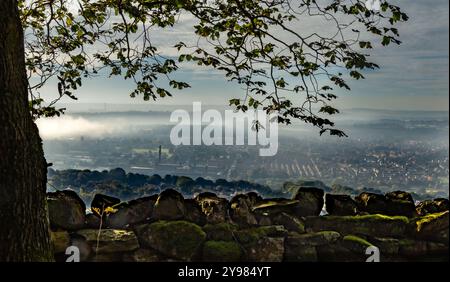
(413, 76)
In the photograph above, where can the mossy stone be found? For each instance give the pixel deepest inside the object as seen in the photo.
(176, 239)
(433, 227)
(220, 232)
(290, 222)
(423, 222)
(66, 210)
(356, 244)
(265, 249)
(221, 251)
(254, 234)
(370, 225)
(388, 246)
(110, 240)
(300, 254)
(314, 239)
(60, 241)
(142, 255)
(276, 206)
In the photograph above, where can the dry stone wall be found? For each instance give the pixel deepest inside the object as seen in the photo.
(167, 227)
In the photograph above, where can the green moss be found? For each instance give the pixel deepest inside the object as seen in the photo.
(247, 236)
(290, 222)
(254, 234)
(326, 233)
(326, 236)
(367, 218)
(219, 226)
(220, 232)
(427, 219)
(406, 242)
(60, 241)
(357, 240)
(356, 244)
(314, 239)
(179, 239)
(221, 251)
(371, 225)
(273, 204)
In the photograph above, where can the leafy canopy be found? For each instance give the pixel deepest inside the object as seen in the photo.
(284, 64)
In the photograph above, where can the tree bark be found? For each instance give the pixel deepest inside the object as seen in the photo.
(24, 232)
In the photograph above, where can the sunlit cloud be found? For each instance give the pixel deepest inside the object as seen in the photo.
(69, 127)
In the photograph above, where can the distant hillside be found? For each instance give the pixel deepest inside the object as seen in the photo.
(118, 183)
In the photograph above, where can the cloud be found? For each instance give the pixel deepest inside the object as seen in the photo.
(68, 127)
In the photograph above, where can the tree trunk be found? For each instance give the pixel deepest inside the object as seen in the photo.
(24, 233)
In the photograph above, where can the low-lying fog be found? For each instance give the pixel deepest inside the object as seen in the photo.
(356, 123)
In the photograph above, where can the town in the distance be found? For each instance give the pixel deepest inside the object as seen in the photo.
(385, 151)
